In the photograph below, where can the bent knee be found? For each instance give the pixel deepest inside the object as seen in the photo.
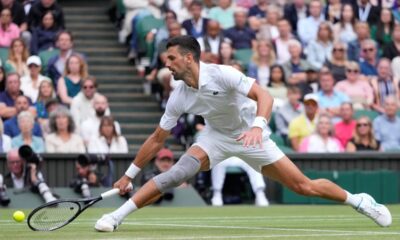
(304, 188)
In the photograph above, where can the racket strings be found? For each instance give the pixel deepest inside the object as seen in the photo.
(54, 216)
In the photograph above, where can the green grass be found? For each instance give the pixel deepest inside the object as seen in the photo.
(241, 222)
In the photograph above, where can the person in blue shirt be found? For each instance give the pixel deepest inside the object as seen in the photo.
(242, 37)
(370, 56)
(26, 122)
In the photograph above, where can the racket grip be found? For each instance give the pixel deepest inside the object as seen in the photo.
(114, 191)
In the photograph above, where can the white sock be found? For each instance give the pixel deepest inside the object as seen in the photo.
(352, 199)
(123, 211)
(217, 194)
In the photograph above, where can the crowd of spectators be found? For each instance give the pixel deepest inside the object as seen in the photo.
(320, 60)
(44, 82)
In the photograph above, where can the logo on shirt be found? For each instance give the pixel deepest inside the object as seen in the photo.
(215, 93)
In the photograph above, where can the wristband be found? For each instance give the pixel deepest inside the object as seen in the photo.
(260, 122)
(132, 171)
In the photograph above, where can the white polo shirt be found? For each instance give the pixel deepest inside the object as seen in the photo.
(221, 100)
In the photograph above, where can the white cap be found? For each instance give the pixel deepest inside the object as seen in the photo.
(34, 60)
(311, 97)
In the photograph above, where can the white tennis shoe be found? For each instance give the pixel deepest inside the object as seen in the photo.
(107, 223)
(377, 212)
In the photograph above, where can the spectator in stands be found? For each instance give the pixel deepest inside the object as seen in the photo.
(320, 49)
(396, 11)
(56, 64)
(296, 11)
(263, 58)
(70, 84)
(197, 25)
(387, 126)
(62, 138)
(133, 8)
(281, 44)
(382, 31)
(363, 138)
(86, 176)
(296, 67)
(330, 99)
(396, 67)
(345, 128)
(11, 126)
(276, 85)
(17, 13)
(337, 64)
(225, 52)
(392, 49)
(26, 122)
(2, 78)
(26, 175)
(344, 30)
(307, 28)
(258, 10)
(333, 11)
(90, 127)
(322, 140)
(354, 52)
(50, 106)
(356, 87)
(5, 142)
(223, 13)
(211, 42)
(292, 108)
(366, 12)
(8, 30)
(44, 36)
(82, 104)
(304, 125)
(370, 58)
(30, 83)
(108, 140)
(256, 180)
(384, 85)
(39, 9)
(269, 29)
(17, 56)
(45, 95)
(9, 95)
(242, 37)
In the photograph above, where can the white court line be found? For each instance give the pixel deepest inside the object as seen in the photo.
(262, 228)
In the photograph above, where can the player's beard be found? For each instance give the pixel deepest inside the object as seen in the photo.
(100, 112)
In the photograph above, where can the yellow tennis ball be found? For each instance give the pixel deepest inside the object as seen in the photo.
(19, 216)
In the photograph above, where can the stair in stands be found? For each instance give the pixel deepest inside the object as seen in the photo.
(96, 37)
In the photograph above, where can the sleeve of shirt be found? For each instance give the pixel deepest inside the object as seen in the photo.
(172, 112)
(375, 125)
(235, 80)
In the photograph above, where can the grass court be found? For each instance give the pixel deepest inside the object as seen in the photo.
(300, 222)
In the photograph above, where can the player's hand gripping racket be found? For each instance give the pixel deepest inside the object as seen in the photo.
(57, 214)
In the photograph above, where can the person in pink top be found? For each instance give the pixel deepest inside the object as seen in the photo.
(356, 86)
(322, 140)
(344, 129)
(8, 29)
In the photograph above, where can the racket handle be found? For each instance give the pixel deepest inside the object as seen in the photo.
(114, 191)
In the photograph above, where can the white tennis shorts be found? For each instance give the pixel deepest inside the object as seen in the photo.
(220, 147)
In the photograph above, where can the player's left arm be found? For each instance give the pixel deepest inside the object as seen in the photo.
(253, 137)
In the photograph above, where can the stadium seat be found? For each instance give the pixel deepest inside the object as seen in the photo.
(369, 113)
(3, 55)
(144, 26)
(243, 56)
(272, 124)
(45, 57)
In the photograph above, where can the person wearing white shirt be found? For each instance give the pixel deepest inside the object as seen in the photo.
(307, 27)
(90, 127)
(109, 141)
(30, 83)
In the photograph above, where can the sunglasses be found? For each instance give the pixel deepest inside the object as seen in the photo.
(362, 124)
(352, 70)
(88, 87)
(338, 50)
(368, 49)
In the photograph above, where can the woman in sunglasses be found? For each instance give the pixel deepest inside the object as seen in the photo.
(363, 137)
(337, 62)
(356, 87)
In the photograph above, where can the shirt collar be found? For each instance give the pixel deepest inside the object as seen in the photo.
(203, 76)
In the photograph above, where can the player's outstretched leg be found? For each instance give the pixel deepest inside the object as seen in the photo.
(287, 173)
(185, 168)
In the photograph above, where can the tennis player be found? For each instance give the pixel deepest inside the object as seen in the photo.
(236, 110)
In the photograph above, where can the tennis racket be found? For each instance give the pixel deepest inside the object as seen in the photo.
(59, 213)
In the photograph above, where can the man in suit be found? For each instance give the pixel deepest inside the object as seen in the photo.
(366, 12)
(295, 11)
(197, 25)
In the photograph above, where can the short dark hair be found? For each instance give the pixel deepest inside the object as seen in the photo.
(69, 33)
(186, 44)
(196, 3)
